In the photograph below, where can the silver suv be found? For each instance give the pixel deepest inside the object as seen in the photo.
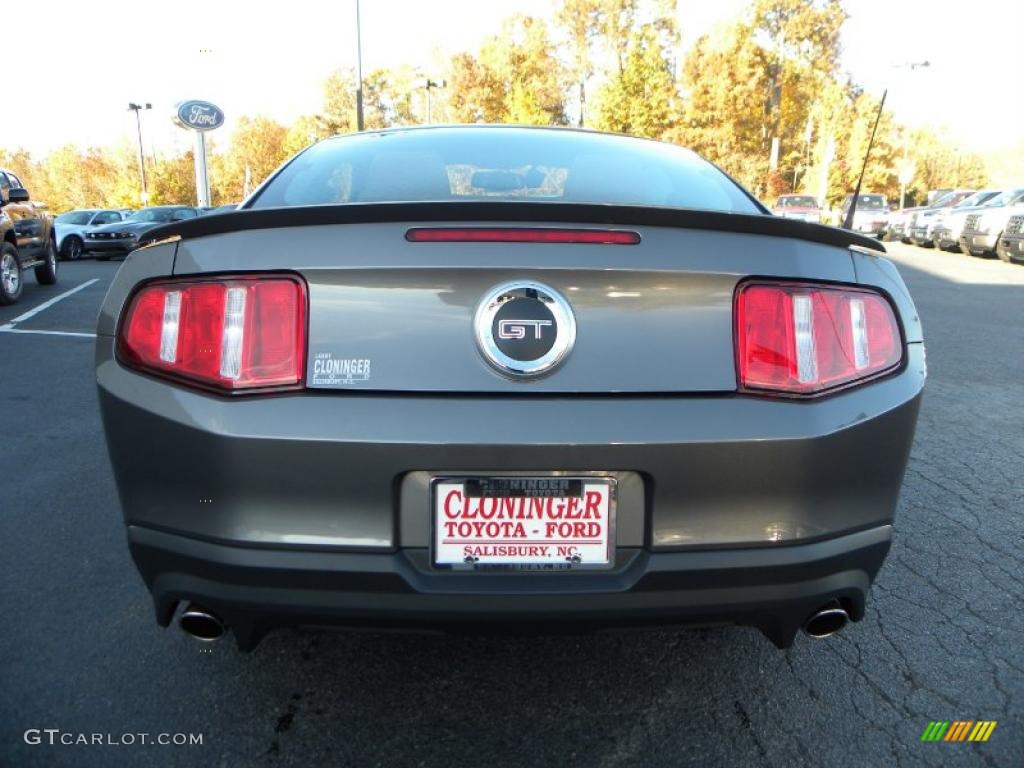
(983, 227)
(946, 232)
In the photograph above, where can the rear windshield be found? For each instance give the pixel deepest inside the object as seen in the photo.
(797, 202)
(490, 163)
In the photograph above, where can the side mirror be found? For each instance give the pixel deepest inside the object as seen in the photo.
(17, 195)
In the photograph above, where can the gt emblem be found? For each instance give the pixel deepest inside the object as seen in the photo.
(524, 328)
(516, 329)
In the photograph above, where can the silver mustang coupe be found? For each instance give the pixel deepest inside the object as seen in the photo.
(485, 378)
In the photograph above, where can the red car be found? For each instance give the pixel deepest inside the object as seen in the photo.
(802, 207)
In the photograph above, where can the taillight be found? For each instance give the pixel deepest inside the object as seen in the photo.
(806, 339)
(232, 334)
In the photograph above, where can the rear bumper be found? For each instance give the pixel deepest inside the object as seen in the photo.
(254, 589)
(310, 507)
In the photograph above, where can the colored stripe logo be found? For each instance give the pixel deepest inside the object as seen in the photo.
(959, 730)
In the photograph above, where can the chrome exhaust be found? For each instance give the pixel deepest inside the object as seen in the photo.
(201, 624)
(826, 621)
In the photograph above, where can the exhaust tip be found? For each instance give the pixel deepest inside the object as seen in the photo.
(826, 621)
(201, 624)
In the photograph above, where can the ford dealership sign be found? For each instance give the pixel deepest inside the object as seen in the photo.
(198, 115)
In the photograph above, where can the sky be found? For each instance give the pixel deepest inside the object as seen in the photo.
(256, 57)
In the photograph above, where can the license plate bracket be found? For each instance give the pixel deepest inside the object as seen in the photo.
(537, 522)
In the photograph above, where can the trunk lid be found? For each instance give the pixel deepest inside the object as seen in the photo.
(391, 315)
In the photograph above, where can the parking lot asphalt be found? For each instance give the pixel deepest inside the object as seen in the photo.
(943, 638)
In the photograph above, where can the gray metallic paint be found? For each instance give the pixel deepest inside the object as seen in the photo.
(337, 471)
(654, 317)
(319, 468)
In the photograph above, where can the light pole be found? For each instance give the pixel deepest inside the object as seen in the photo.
(136, 108)
(359, 72)
(428, 84)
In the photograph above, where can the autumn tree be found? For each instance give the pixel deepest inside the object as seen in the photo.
(388, 97)
(172, 180)
(474, 92)
(306, 130)
(642, 99)
(257, 144)
(580, 19)
(515, 79)
(723, 116)
(938, 165)
(339, 112)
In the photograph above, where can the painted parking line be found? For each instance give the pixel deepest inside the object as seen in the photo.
(9, 327)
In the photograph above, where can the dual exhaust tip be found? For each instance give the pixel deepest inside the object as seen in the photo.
(207, 627)
(201, 624)
(826, 621)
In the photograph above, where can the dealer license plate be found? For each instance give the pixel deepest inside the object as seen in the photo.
(528, 522)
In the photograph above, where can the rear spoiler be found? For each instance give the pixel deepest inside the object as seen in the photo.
(525, 212)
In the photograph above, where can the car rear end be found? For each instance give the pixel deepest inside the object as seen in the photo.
(307, 428)
(871, 215)
(899, 223)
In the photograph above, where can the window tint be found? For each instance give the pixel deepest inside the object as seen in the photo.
(491, 163)
(184, 213)
(106, 217)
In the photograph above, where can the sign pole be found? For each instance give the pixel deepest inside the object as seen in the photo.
(202, 182)
(199, 117)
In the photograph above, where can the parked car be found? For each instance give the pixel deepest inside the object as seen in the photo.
(870, 216)
(70, 228)
(1011, 242)
(364, 403)
(26, 239)
(925, 219)
(983, 227)
(946, 233)
(800, 207)
(121, 237)
(949, 222)
(898, 226)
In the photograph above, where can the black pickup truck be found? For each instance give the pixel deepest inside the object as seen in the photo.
(26, 239)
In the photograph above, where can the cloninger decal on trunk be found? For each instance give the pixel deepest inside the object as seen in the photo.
(331, 371)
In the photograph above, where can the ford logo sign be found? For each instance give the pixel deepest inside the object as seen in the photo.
(198, 115)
